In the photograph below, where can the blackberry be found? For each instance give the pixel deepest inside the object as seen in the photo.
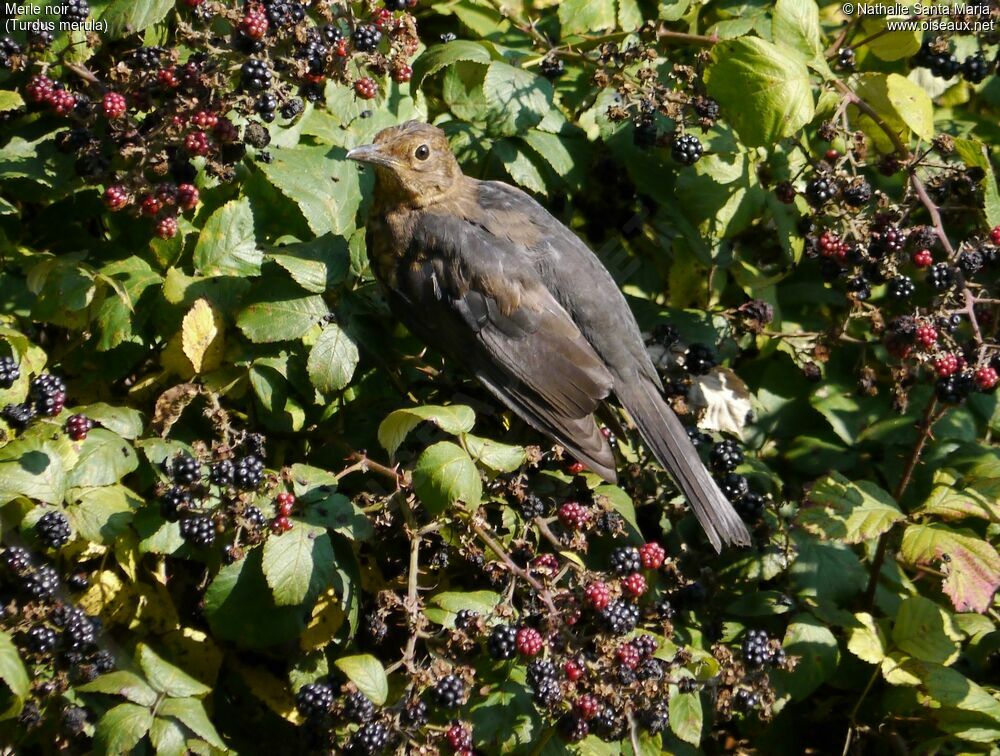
(42, 583)
(53, 529)
(148, 58)
(625, 560)
(970, 262)
(656, 718)
(30, 716)
(901, 288)
(198, 530)
(8, 48)
(746, 699)
(502, 643)
(609, 523)
(573, 727)
(734, 486)
(539, 670)
(546, 693)
(551, 67)
(620, 617)
(256, 75)
(700, 359)
(858, 193)
(281, 14)
(292, 108)
(74, 720)
(397, 5)
(359, 708)
(40, 39)
(941, 277)
(687, 685)
(366, 38)
(975, 68)
(819, 191)
(955, 388)
(532, 507)
(370, 739)
(750, 506)
(78, 581)
(466, 619)
(249, 473)
(666, 335)
(846, 58)
(608, 725)
(756, 648)
(75, 11)
(266, 106)
(254, 518)
(185, 469)
(175, 501)
(104, 662)
(9, 372)
(448, 37)
(42, 639)
(78, 426)
(314, 700)
(698, 438)
(222, 473)
(48, 394)
(415, 714)
(726, 456)
(17, 559)
(79, 633)
(651, 669)
(449, 692)
(859, 287)
(18, 416)
(686, 149)
(707, 108)
(332, 34)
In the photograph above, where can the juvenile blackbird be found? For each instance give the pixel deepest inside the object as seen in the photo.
(483, 273)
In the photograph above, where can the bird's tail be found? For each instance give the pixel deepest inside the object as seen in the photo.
(668, 440)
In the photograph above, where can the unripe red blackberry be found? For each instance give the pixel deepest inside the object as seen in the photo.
(366, 88)
(166, 228)
(62, 102)
(168, 78)
(458, 737)
(402, 73)
(226, 131)
(39, 89)
(628, 656)
(652, 555)
(587, 706)
(634, 584)
(286, 502)
(197, 143)
(573, 515)
(205, 120)
(995, 235)
(545, 563)
(114, 105)
(529, 641)
(78, 426)
(946, 365)
(922, 258)
(187, 196)
(597, 595)
(986, 378)
(281, 524)
(785, 192)
(573, 670)
(575, 468)
(926, 335)
(254, 24)
(115, 198)
(151, 205)
(573, 728)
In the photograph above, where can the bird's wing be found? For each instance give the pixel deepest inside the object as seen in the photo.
(476, 298)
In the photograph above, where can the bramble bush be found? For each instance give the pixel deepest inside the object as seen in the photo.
(242, 510)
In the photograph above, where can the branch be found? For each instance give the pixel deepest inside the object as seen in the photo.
(543, 592)
(691, 39)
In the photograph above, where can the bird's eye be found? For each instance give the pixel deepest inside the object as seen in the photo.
(422, 152)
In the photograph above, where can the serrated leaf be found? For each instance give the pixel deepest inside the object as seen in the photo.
(298, 564)
(453, 419)
(765, 93)
(13, 674)
(973, 154)
(494, 455)
(891, 45)
(191, 712)
(10, 101)
(445, 475)
(203, 336)
(913, 105)
(124, 421)
(518, 99)
(281, 312)
(816, 646)
(924, 630)
(102, 514)
(972, 565)
(586, 16)
(482, 602)
(443, 56)
(332, 359)
(30, 469)
(950, 501)
(105, 458)
(686, 717)
(227, 245)
(366, 672)
(125, 17)
(121, 728)
(796, 25)
(168, 737)
(867, 642)
(317, 265)
(850, 512)
(960, 706)
(122, 683)
(168, 678)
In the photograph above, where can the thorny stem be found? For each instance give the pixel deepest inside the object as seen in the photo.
(480, 530)
(412, 603)
(857, 705)
(691, 39)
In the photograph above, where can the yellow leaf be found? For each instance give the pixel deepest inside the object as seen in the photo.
(202, 337)
(193, 650)
(327, 617)
(273, 692)
(109, 597)
(174, 360)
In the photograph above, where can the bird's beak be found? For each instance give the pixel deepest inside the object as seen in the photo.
(369, 153)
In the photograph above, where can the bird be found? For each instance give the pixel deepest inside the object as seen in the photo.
(484, 274)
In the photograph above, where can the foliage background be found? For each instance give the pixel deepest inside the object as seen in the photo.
(262, 314)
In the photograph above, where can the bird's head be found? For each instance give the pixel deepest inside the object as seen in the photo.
(413, 162)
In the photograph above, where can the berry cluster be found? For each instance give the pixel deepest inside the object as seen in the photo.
(46, 398)
(935, 55)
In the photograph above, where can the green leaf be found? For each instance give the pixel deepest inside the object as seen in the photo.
(318, 265)
(280, 312)
(453, 419)
(168, 737)
(519, 166)
(912, 104)
(105, 458)
(949, 500)
(506, 718)
(332, 359)
(227, 245)
(445, 475)
(444, 56)
(9, 101)
(122, 683)
(168, 678)
(366, 672)
(849, 512)
(796, 25)
(586, 16)
(686, 717)
(971, 564)
(873, 88)
(482, 602)
(765, 94)
(298, 564)
(13, 673)
(519, 99)
(960, 706)
(322, 182)
(892, 45)
(828, 571)
(127, 17)
(124, 421)
(816, 646)
(103, 514)
(867, 642)
(973, 154)
(191, 712)
(494, 455)
(924, 630)
(30, 469)
(121, 729)
(339, 514)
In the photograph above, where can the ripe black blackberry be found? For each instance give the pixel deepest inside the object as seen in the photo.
(174, 502)
(370, 739)
(574, 728)
(970, 262)
(42, 583)
(266, 106)
(198, 530)
(546, 693)
(625, 560)
(254, 518)
(9, 372)
(901, 288)
(686, 149)
(750, 506)
(222, 472)
(74, 11)
(366, 38)
(663, 610)
(41, 639)
(551, 67)
(79, 633)
(397, 5)
(941, 277)
(185, 469)
(820, 190)
(656, 718)
(332, 34)
(609, 523)
(756, 648)
(846, 58)
(650, 669)
(256, 75)
(314, 700)
(148, 58)
(608, 725)
(541, 669)
(449, 692)
(103, 661)
(249, 473)
(975, 68)
(706, 108)
(502, 643)
(53, 529)
(645, 134)
(620, 617)
(292, 108)
(78, 581)
(532, 506)
(282, 14)
(18, 416)
(17, 559)
(698, 438)
(746, 699)
(48, 394)
(859, 287)
(73, 721)
(415, 714)
(955, 388)
(734, 486)
(466, 619)
(726, 456)
(700, 358)
(359, 708)
(8, 49)
(78, 426)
